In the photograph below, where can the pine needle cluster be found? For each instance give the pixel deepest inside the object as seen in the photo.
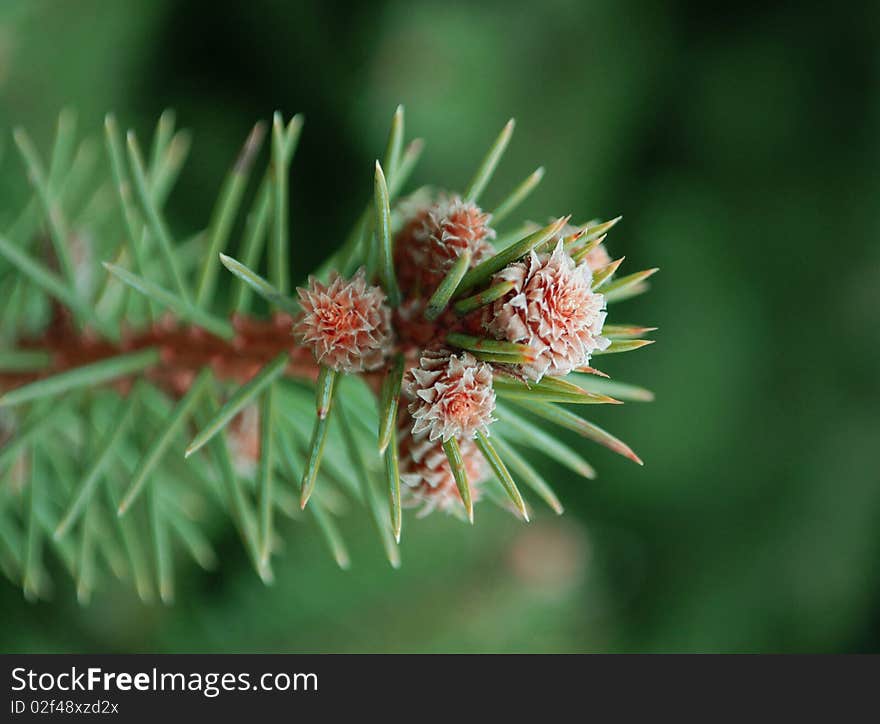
(146, 396)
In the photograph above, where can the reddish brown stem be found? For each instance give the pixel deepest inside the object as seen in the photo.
(185, 350)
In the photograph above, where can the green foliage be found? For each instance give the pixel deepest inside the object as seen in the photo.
(147, 427)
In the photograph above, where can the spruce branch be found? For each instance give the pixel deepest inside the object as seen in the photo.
(420, 361)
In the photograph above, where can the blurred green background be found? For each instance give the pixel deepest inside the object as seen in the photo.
(742, 147)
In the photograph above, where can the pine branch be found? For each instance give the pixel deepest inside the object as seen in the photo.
(410, 384)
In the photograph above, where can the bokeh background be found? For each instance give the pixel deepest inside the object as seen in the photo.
(742, 146)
